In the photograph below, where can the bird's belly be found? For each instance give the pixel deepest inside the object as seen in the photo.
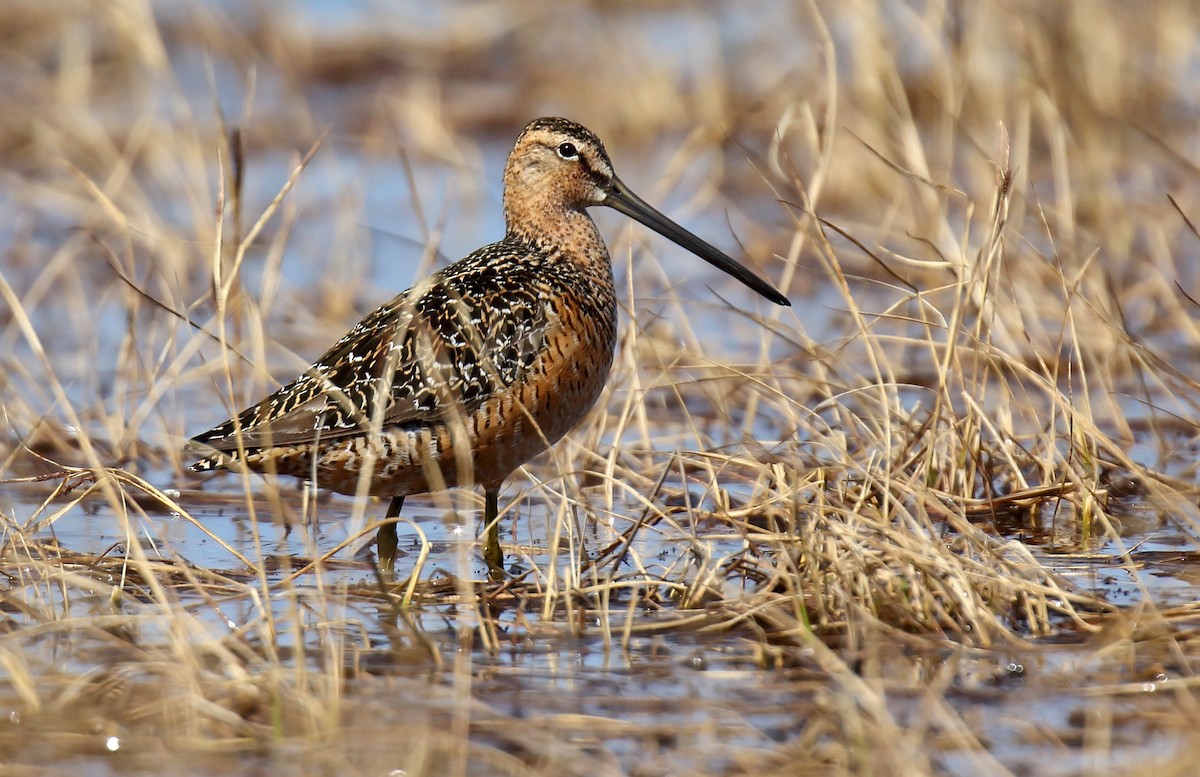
(534, 416)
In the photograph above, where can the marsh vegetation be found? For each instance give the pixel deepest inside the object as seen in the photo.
(940, 517)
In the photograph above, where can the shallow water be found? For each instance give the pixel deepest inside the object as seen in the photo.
(632, 687)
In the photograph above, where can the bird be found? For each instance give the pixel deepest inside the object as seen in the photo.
(464, 377)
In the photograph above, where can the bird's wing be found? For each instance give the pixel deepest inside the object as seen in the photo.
(438, 349)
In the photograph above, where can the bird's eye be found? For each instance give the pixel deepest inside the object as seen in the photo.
(568, 151)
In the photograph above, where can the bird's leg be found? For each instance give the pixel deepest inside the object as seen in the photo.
(492, 555)
(386, 540)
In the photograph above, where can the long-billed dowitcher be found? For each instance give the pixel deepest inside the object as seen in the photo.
(473, 371)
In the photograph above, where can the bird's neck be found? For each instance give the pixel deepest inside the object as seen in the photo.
(559, 230)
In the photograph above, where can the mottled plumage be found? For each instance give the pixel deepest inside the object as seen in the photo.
(473, 371)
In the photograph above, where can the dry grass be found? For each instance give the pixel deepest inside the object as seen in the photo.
(920, 524)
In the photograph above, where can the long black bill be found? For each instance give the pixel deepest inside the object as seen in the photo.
(621, 199)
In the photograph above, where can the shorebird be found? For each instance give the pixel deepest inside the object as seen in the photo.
(473, 371)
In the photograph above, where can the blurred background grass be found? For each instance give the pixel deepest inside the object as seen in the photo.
(115, 121)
